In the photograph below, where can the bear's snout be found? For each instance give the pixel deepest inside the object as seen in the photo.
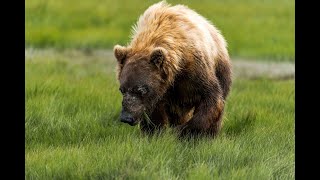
(127, 118)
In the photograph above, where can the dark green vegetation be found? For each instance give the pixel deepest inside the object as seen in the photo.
(253, 28)
(73, 131)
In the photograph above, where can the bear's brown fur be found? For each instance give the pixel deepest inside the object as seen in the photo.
(176, 69)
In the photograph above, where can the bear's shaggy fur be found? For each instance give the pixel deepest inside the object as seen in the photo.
(176, 69)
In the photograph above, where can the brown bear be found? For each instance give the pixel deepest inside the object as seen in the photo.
(176, 71)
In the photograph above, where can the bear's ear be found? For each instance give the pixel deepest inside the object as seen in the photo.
(120, 52)
(158, 56)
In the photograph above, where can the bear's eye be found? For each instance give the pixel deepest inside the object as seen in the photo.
(142, 90)
(139, 90)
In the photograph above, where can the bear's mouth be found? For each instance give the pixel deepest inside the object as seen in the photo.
(130, 121)
(144, 117)
(133, 123)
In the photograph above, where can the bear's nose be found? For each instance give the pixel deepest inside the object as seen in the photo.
(126, 118)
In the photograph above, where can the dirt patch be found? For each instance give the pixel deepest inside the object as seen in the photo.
(248, 69)
(257, 69)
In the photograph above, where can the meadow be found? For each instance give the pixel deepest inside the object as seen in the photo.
(73, 129)
(72, 101)
(254, 29)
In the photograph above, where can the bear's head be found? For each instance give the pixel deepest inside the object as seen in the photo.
(143, 81)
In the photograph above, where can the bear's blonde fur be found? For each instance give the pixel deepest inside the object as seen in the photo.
(181, 31)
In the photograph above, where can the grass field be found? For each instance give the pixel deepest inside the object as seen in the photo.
(73, 131)
(72, 127)
(253, 28)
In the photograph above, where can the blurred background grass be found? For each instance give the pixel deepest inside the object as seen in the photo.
(254, 29)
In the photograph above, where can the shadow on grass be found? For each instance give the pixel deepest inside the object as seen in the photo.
(240, 124)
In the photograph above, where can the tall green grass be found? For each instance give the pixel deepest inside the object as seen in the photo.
(252, 28)
(73, 130)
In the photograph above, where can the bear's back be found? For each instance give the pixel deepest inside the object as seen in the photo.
(178, 27)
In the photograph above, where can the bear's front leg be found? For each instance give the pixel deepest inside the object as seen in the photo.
(206, 119)
(158, 120)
